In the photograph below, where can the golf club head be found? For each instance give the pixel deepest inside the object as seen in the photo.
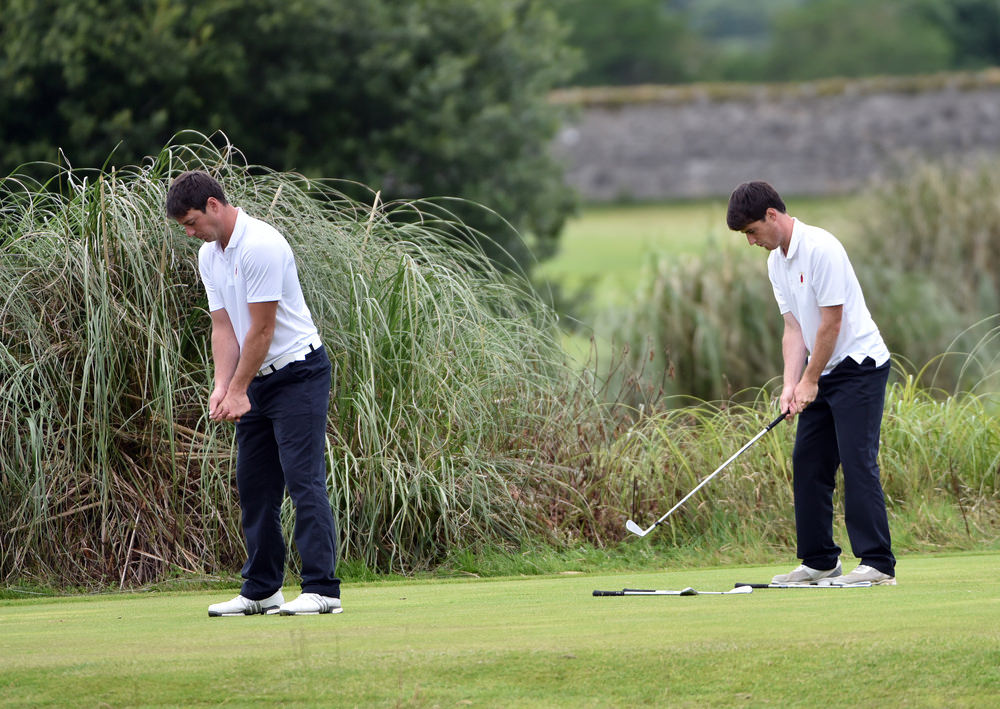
(688, 592)
(741, 589)
(636, 529)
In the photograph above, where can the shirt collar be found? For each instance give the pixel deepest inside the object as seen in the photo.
(239, 229)
(796, 237)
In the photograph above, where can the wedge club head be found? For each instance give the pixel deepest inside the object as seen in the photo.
(636, 529)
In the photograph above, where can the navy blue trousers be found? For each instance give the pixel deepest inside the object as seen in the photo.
(281, 443)
(841, 427)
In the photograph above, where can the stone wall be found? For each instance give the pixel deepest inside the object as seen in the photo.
(656, 143)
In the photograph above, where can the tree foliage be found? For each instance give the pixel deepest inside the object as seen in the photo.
(630, 42)
(853, 38)
(416, 99)
(677, 41)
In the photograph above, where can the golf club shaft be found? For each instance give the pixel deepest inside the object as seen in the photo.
(859, 584)
(722, 467)
(685, 592)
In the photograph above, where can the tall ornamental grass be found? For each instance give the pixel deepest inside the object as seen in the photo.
(939, 458)
(454, 420)
(112, 472)
(927, 256)
(701, 327)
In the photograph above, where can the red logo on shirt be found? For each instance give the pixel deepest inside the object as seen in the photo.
(802, 278)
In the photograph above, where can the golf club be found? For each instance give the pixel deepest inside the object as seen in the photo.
(683, 592)
(859, 584)
(636, 529)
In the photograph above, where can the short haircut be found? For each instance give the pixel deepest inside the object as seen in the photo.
(749, 203)
(191, 190)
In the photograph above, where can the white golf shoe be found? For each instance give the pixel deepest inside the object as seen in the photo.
(241, 605)
(807, 575)
(311, 604)
(861, 574)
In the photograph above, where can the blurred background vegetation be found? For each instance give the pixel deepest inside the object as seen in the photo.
(679, 41)
(425, 98)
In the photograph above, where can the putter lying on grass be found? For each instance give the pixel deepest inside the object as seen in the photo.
(683, 592)
(859, 584)
(636, 529)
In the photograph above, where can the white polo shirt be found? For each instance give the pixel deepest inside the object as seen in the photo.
(256, 267)
(817, 273)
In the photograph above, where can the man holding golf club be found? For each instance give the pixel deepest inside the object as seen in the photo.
(835, 370)
(272, 379)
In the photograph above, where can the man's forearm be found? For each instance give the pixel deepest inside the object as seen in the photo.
(826, 342)
(255, 347)
(225, 356)
(793, 352)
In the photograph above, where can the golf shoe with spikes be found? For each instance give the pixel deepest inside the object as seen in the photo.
(241, 605)
(311, 604)
(807, 575)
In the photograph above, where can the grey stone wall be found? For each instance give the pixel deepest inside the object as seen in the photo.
(805, 141)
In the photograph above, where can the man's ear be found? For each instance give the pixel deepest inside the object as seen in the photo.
(212, 205)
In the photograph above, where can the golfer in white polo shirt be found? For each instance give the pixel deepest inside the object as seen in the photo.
(835, 370)
(272, 378)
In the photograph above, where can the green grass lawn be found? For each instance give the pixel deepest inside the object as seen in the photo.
(934, 640)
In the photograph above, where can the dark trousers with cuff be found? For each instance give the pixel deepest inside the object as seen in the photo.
(841, 427)
(281, 442)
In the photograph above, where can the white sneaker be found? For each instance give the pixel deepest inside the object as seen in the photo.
(241, 605)
(861, 574)
(806, 575)
(311, 604)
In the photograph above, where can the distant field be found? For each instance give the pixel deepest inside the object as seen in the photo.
(606, 247)
(932, 641)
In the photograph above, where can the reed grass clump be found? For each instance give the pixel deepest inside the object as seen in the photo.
(455, 422)
(705, 328)
(939, 458)
(112, 472)
(929, 256)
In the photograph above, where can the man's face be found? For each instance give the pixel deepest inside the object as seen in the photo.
(764, 232)
(206, 225)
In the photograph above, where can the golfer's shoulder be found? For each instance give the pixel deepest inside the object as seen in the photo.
(259, 235)
(821, 242)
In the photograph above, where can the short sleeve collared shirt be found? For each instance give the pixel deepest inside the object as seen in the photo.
(257, 266)
(816, 273)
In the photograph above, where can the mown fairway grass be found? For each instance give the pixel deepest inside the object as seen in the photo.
(934, 640)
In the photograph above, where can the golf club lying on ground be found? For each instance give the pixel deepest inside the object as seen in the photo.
(859, 584)
(683, 592)
(636, 529)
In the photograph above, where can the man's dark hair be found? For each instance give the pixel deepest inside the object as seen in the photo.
(750, 202)
(191, 190)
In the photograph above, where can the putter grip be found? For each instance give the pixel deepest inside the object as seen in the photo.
(609, 593)
(776, 421)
